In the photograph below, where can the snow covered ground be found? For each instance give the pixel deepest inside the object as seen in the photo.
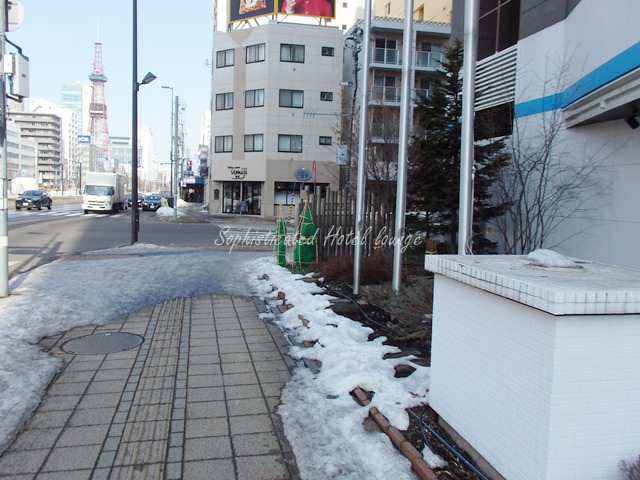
(322, 421)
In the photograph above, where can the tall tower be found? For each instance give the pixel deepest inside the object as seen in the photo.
(98, 126)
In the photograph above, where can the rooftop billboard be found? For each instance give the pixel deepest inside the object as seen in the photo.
(311, 8)
(246, 9)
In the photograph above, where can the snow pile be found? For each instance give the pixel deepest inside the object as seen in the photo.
(165, 212)
(321, 419)
(548, 258)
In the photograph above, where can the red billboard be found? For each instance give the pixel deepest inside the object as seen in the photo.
(245, 9)
(311, 8)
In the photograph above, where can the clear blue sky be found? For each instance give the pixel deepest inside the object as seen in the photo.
(174, 42)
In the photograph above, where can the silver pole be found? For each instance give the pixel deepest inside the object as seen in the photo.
(465, 213)
(403, 144)
(4, 200)
(135, 218)
(175, 157)
(362, 148)
(171, 176)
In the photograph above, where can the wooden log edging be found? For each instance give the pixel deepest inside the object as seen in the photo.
(397, 438)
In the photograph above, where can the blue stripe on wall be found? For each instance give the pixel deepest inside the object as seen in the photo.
(619, 65)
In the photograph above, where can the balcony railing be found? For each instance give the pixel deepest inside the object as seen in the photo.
(387, 132)
(391, 95)
(392, 56)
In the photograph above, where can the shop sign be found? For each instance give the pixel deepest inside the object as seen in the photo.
(238, 173)
(302, 175)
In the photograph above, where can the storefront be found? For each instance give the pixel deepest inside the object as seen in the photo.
(192, 189)
(242, 197)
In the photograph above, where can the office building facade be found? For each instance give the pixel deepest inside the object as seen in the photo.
(276, 107)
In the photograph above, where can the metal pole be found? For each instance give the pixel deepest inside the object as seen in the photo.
(465, 208)
(405, 110)
(171, 153)
(362, 148)
(134, 130)
(175, 157)
(4, 200)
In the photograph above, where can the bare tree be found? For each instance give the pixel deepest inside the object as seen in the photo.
(544, 183)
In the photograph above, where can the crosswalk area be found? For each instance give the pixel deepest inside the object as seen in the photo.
(65, 213)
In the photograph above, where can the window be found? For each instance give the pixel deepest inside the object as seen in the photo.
(498, 26)
(224, 101)
(326, 96)
(253, 143)
(254, 98)
(291, 98)
(290, 143)
(325, 140)
(327, 51)
(224, 143)
(255, 53)
(386, 51)
(224, 58)
(291, 53)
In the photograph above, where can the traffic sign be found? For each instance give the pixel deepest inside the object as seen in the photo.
(15, 15)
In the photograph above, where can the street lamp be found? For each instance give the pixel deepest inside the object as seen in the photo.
(171, 154)
(148, 78)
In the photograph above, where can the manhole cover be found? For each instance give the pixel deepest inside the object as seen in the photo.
(102, 343)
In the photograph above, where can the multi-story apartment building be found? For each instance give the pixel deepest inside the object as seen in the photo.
(45, 129)
(277, 105)
(21, 157)
(384, 78)
(423, 10)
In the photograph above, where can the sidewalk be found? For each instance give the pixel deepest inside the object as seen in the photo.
(195, 400)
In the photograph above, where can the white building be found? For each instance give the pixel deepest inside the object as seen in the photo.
(22, 164)
(277, 105)
(543, 63)
(68, 134)
(536, 366)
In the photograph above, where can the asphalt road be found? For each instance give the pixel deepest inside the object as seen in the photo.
(38, 237)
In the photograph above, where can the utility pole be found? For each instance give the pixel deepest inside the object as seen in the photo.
(4, 200)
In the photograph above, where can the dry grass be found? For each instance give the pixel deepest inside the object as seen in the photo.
(375, 270)
(408, 306)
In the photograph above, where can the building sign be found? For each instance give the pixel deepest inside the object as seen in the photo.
(84, 138)
(302, 175)
(238, 173)
(311, 8)
(243, 9)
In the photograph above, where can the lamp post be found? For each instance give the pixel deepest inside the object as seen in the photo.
(148, 78)
(172, 153)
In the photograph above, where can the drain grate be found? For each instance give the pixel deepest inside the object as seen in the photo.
(102, 343)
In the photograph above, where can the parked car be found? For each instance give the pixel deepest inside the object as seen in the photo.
(33, 199)
(152, 202)
(130, 200)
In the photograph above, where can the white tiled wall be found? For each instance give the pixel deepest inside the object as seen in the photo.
(541, 397)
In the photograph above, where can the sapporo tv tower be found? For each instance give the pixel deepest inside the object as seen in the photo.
(98, 126)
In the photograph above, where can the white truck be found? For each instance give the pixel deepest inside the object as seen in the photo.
(103, 192)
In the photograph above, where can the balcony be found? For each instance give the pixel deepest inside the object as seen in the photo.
(384, 132)
(391, 95)
(393, 57)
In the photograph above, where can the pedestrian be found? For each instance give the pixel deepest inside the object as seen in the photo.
(243, 206)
